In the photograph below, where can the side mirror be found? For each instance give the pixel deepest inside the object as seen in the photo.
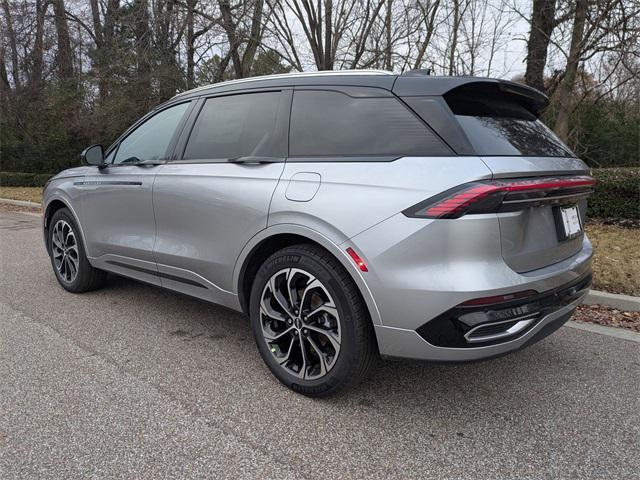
(93, 155)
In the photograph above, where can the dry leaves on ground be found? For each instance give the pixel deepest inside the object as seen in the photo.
(608, 316)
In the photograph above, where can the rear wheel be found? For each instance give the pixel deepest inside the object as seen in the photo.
(68, 257)
(309, 321)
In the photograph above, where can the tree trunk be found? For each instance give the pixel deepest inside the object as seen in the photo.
(35, 76)
(229, 26)
(15, 66)
(565, 89)
(143, 50)
(4, 78)
(255, 37)
(191, 49)
(454, 36)
(542, 23)
(65, 55)
(429, 19)
(329, 37)
(388, 28)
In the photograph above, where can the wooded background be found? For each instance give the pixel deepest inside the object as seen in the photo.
(75, 72)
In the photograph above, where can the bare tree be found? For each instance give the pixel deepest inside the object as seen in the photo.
(428, 12)
(15, 66)
(142, 30)
(600, 28)
(542, 24)
(65, 54)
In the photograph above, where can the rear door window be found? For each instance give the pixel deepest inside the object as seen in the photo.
(237, 126)
(331, 123)
(499, 125)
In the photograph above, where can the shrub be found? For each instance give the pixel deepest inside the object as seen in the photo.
(617, 193)
(19, 179)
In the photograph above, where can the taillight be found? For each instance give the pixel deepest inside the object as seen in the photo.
(502, 195)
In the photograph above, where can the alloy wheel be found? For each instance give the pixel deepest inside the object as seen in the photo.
(65, 251)
(300, 323)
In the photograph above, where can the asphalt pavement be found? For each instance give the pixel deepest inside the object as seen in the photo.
(136, 382)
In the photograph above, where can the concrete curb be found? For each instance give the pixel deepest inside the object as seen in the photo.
(20, 203)
(621, 302)
(603, 330)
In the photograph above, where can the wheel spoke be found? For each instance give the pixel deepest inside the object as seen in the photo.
(290, 288)
(73, 263)
(272, 338)
(323, 361)
(56, 241)
(303, 368)
(311, 285)
(266, 309)
(330, 309)
(66, 268)
(69, 268)
(330, 336)
(286, 357)
(275, 294)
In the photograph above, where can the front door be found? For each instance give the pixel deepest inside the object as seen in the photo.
(116, 201)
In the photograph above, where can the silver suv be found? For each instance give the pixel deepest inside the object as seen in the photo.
(348, 214)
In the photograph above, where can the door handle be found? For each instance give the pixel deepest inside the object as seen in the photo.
(251, 160)
(150, 163)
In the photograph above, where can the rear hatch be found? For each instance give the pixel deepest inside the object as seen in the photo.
(539, 188)
(540, 223)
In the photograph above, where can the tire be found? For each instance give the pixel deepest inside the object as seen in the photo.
(68, 257)
(319, 339)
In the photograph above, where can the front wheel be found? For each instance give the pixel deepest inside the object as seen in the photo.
(68, 257)
(310, 322)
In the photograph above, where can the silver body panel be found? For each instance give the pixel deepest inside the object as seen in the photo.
(191, 227)
(205, 214)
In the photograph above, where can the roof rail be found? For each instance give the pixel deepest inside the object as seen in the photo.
(288, 75)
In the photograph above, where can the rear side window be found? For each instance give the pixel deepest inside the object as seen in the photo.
(236, 126)
(329, 123)
(497, 124)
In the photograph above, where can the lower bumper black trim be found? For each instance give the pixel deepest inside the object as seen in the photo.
(450, 328)
(158, 274)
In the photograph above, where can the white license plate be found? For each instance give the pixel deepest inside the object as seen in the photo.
(571, 222)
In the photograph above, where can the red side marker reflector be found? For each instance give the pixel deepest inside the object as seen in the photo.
(498, 298)
(357, 260)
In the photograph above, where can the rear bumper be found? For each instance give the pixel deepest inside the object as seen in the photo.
(418, 273)
(404, 343)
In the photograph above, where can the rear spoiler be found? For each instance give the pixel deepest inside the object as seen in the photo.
(419, 86)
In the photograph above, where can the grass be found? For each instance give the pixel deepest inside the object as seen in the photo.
(616, 265)
(30, 194)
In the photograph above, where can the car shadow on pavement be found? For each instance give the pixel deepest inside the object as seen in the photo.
(540, 370)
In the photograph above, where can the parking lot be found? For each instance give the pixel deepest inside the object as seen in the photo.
(133, 381)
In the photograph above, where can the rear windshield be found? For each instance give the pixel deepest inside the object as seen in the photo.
(498, 125)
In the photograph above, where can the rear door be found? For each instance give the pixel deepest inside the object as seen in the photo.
(216, 195)
(514, 144)
(117, 206)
